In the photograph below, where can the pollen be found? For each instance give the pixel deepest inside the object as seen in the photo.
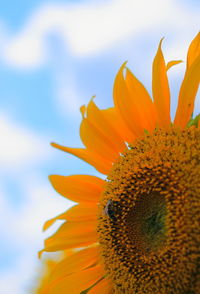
(149, 215)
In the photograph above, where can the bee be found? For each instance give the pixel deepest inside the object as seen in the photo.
(111, 209)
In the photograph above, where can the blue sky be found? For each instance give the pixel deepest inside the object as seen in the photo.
(54, 56)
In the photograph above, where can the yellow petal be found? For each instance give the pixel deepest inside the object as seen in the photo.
(77, 282)
(97, 118)
(47, 267)
(83, 110)
(112, 115)
(96, 141)
(187, 94)
(102, 287)
(78, 188)
(160, 88)
(194, 50)
(172, 63)
(82, 212)
(79, 212)
(50, 222)
(71, 228)
(72, 235)
(75, 263)
(124, 104)
(100, 163)
(144, 113)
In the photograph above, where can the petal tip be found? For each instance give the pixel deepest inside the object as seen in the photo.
(40, 253)
(50, 177)
(160, 43)
(83, 110)
(53, 144)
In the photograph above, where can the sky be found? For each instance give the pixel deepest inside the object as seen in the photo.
(54, 56)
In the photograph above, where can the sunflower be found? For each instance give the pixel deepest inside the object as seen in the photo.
(138, 230)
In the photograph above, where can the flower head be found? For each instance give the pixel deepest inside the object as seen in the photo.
(138, 230)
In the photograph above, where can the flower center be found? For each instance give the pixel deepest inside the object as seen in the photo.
(146, 222)
(149, 213)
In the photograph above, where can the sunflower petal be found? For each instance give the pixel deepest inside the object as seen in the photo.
(145, 114)
(172, 63)
(194, 50)
(124, 104)
(99, 162)
(82, 213)
(72, 235)
(187, 94)
(58, 244)
(104, 286)
(75, 263)
(78, 188)
(96, 141)
(160, 88)
(51, 221)
(79, 212)
(77, 282)
(112, 115)
(97, 118)
(190, 84)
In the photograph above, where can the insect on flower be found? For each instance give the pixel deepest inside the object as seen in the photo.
(111, 209)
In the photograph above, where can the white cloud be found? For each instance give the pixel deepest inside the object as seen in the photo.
(22, 227)
(11, 281)
(41, 204)
(89, 28)
(19, 146)
(68, 95)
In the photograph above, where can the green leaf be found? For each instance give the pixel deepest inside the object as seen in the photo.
(194, 121)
